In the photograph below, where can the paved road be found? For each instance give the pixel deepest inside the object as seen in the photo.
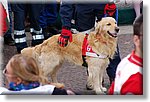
(74, 77)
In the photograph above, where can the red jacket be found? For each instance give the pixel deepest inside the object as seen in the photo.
(129, 76)
(3, 20)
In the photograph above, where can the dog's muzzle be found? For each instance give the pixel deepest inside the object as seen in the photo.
(114, 34)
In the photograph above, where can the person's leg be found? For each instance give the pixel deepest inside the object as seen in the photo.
(85, 17)
(111, 69)
(48, 16)
(19, 27)
(35, 29)
(43, 17)
(51, 10)
(8, 37)
(99, 11)
(52, 15)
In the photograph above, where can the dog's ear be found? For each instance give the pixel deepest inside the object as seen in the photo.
(98, 27)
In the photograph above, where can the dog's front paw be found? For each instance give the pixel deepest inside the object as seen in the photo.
(100, 92)
(103, 89)
(89, 87)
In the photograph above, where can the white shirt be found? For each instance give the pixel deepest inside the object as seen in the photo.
(45, 89)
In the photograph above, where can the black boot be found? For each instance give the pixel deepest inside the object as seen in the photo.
(37, 39)
(20, 40)
(20, 46)
(8, 40)
(53, 30)
(111, 80)
(36, 42)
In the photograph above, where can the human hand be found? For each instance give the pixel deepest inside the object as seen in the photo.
(110, 9)
(58, 85)
(69, 92)
(64, 37)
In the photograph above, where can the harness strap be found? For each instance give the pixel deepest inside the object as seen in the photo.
(87, 51)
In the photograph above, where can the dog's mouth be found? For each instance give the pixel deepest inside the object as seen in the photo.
(112, 34)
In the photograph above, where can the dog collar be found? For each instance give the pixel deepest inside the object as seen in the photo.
(87, 50)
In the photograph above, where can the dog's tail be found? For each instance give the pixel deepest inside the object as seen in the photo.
(27, 51)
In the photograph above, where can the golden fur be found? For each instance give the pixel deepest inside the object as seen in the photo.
(50, 55)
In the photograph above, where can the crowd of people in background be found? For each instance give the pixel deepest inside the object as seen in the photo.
(74, 18)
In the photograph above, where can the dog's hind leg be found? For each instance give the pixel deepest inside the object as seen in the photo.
(53, 73)
(50, 64)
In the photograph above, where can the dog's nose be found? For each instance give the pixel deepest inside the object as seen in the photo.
(117, 29)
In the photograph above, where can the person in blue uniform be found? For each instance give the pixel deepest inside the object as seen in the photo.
(20, 11)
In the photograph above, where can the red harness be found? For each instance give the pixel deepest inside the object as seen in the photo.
(87, 50)
(86, 47)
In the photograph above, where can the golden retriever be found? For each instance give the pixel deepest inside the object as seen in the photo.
(103, 40)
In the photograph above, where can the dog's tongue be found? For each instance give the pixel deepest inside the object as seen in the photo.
(112, 34)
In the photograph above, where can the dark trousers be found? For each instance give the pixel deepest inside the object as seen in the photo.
(111, 69)
(48, 15)
(20, 12)
(85, 15)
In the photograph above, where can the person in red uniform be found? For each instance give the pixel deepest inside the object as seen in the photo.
(129, 75)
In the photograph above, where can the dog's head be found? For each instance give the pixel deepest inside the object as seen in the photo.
(108, 27)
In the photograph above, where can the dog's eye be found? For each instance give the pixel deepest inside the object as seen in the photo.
(108, 24)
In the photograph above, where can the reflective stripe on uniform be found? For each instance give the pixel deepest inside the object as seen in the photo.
(19, 32)
(37, 37)
(20, 40)
(35, 31)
